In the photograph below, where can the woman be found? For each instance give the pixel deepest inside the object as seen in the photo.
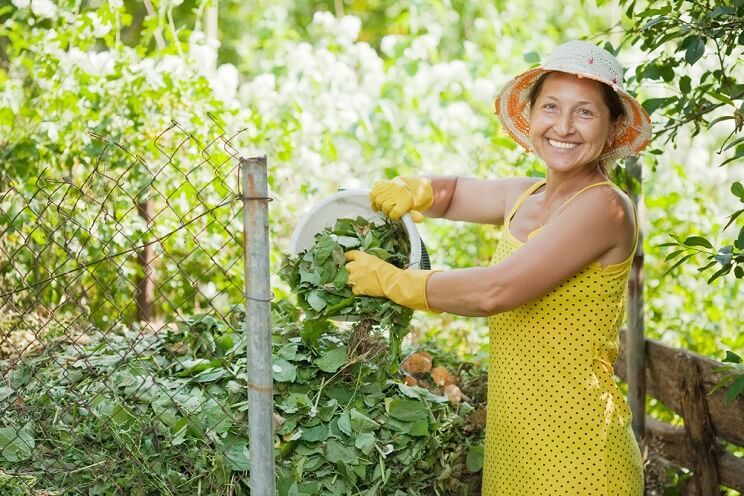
(555, 294)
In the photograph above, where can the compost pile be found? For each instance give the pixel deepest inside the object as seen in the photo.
(138, 412)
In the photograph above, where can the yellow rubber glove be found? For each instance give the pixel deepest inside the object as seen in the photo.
(371, 276)
(397, 196)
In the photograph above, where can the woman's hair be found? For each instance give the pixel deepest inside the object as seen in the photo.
(610, 97)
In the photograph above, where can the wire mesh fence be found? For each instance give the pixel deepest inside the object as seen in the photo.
(121, 301)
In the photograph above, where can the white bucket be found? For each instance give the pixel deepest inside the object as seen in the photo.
(349, 203)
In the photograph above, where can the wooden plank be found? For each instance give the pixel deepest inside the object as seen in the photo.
(701, 440)
(662, 384)
(672, 442)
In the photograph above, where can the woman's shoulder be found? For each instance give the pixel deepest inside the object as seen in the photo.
(613, 208)
(518, 185)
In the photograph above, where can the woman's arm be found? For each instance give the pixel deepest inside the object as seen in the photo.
(577, 236)
(474, 200)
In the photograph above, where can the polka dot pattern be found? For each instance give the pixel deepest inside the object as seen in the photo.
(556, 421)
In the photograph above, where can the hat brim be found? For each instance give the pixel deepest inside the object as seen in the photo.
(513, 109)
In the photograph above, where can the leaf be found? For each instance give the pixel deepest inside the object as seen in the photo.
(310, 277)
(737, 155)
(678, 262)
(210, 375)
(731, 357)
(721, 11)
(695, 50)
(348, 241)
(738, 190)
(734, 143)
(721, 272)
(361, 422)
(323, 249)
(344, 424)
(365, 442)
(733, 217)
(698, 241)
(685, 84)
(335, 451)
(720, 119)
(16, 445)
(474, 459)
(332, 360)
(735, 390)
(407, 410)
(420, 428)
(531, 58)
(315, 434)
(237, 456)
(652, 104)
(283, 371)
(674, 255)
(312, 329)
(316, 301)
(724, 255)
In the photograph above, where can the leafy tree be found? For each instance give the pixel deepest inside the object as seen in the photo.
(695, 50)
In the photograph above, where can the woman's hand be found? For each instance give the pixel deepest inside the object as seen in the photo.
(371, 276)
(401, 195)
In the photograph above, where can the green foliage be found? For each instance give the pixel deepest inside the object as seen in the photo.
(702, 91)
(732, 376)
(172, 405)
(727, 257)
(319, 279)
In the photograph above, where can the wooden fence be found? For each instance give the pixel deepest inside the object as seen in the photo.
(682, 381)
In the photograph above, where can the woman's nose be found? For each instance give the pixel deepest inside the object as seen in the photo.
(564, 124)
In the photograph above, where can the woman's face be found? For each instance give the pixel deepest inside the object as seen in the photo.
(569, 122)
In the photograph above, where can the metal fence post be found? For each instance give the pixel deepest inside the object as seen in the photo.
(636, 345)
(258, 323)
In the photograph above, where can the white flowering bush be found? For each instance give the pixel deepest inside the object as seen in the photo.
(329, 110)
(335, 100)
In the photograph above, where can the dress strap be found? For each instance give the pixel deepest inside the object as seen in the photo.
(637, 229)
(581, 191)
(521, 199)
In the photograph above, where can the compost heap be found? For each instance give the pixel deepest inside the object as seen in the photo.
(133, 412)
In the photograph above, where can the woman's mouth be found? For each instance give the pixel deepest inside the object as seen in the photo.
(562, 145)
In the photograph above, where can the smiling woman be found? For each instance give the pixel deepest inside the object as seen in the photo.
(556, 421)
(583, 111)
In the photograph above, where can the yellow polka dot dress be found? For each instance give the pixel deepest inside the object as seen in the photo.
(557, 424)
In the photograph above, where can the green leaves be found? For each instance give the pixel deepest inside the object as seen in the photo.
(283, 371)
(340, 423)
(407, 410)
(474, 460)
(16, 444)
(732, 377)
(694, 47)
(318, 276)
(332, 360)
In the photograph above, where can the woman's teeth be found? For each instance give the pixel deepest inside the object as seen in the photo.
(562, 145)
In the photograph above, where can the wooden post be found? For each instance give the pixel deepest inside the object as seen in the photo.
(636, 349)
(145, 292)
(701, 438)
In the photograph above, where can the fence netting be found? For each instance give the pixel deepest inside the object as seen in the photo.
(121, 304)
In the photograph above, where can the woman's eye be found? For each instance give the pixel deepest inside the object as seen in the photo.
(585, 113)
(549, 106)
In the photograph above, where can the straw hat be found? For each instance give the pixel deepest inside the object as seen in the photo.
(585, 60)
